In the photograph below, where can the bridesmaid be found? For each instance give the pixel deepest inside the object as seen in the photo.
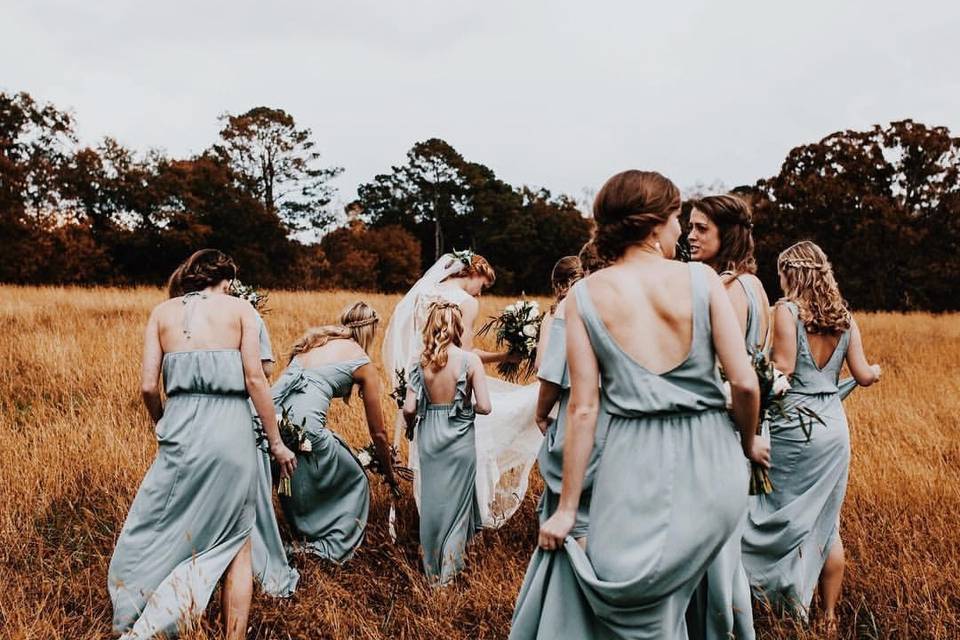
(330, 491)
(191, 520)
(792, 538)
(721, 237)
(555, 391)
(441, 385)
(271, 567)
(670, 487)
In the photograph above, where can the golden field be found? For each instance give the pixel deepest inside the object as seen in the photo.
(75, 442)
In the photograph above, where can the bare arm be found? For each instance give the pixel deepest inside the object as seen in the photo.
(259, 392)
(410, 407)
(368, 378)
(547, 398)
(744, 388)
(582, 412)
(478, 380)
(150, 371)
(863, 372)
(784, 352)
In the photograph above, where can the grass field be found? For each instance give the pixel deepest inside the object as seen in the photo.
(75, 443)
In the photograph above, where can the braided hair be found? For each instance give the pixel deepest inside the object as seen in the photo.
(807, 278)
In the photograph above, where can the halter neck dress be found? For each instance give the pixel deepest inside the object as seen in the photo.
(195, 508)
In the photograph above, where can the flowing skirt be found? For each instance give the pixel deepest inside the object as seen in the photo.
(270, 566)
(790, 531)
(668, 494)
(449, 514)
(330, 498)
(193, 513)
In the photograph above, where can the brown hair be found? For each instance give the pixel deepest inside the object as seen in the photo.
(479, 267)
(590, 260)
(358, 322)
(734, 222)
(809, 283)
(628, 207)
(444, 327)
(564, 275)
(203, 269)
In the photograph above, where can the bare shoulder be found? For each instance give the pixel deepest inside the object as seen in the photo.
(474, 362)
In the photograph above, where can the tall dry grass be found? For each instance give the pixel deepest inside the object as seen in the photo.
(75, 443)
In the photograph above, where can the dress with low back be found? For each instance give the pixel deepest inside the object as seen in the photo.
(668, 493)
(790, 531)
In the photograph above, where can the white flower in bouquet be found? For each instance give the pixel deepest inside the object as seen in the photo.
(531, 345)
(511, 308)
(530, 331)
(364, 457)
(781, 383)
(306, 446)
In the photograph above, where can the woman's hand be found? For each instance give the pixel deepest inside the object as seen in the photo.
(543, 423)
(554, 531)
(759, 452)
(286, 459)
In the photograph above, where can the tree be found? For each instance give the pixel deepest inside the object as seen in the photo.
(882, 203)
(429, 195)
(34, 139)
(278, 164)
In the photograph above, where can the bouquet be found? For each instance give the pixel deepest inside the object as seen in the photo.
(773, 385)
(295, 438)
(250, 294)
(370, 462)
(517, 327)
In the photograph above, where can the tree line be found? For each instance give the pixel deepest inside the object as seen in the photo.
(884, 204)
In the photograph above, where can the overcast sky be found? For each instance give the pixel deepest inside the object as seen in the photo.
(554, 94)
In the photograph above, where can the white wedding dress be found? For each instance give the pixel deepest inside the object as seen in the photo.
(507, 439)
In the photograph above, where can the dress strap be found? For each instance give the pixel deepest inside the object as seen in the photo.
(700, 304)
(189, 303)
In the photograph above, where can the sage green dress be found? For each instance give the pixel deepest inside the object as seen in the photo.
(721, 608)
(449, 513)
(553, 369)
(271, 567)
(669, 492)
(196, 506)
(790, 531)
(330, 497)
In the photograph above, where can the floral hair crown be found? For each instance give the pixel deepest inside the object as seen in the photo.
(465, 256)
(356, 324)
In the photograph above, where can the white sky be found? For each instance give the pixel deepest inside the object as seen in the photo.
(556, 94)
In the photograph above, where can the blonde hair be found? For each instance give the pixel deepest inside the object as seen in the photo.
(444, 327)
(808, 281)
(358, 322)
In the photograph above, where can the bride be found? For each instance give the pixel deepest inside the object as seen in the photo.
(508, 439)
